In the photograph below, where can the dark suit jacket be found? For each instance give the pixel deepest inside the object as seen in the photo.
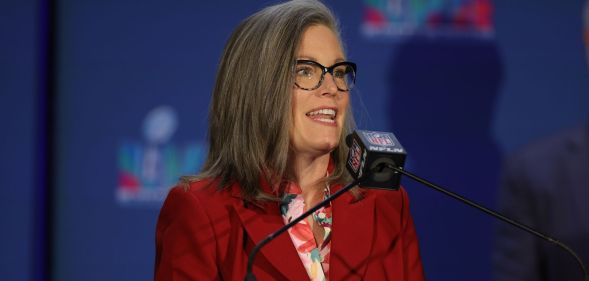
(207, 234)
(546, 186)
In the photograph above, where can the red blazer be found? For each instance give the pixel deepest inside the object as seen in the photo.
(206, 234)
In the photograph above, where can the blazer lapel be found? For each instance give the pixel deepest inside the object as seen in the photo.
(259, 222)
(352, 237)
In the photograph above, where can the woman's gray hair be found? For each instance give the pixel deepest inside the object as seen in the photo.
(250, 112)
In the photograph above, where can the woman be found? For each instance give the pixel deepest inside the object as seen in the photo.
(280, 110)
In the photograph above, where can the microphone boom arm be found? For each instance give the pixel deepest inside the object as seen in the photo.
(490, 212)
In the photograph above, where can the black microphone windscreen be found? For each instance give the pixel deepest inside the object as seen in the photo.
(369, 150)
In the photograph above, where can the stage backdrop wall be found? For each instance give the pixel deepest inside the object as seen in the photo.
(461, 84)
(18, 66)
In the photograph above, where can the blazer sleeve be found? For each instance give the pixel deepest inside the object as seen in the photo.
(412, 258)
(185, 240)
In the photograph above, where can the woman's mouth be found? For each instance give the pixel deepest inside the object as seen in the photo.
(324, 115)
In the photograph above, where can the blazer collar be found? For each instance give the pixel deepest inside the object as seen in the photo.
(260, 219)
(263, 219)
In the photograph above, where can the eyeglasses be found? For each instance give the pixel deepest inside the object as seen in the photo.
(310, 74)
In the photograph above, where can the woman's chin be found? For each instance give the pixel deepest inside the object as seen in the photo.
(326, 147)
(316, 145)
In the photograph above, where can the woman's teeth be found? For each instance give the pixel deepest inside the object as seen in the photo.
(328, 112)
(323, 115)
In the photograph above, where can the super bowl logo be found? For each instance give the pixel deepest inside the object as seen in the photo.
(147, 169)
(379, 139)
(402, 18)
(354, 160)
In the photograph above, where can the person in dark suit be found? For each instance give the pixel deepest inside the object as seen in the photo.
(545, 186)
(278, 118)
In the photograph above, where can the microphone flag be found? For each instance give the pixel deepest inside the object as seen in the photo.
(368, 149)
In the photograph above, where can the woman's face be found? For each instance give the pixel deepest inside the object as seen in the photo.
(318, 115)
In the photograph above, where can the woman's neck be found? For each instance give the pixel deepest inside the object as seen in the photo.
(308, 173)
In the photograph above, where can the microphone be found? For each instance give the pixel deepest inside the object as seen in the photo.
(379, 151)
(368, 150)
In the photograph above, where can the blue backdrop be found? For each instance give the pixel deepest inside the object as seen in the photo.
(18, 54)
(133, 85)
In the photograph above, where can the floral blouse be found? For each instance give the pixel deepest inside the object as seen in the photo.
(315, 258)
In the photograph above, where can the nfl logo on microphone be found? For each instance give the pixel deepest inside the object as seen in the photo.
(354, 159)
(376, 138)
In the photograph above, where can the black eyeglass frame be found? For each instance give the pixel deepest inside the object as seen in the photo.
(329, 70)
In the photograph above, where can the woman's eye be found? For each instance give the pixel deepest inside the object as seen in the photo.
(339, 73)
(305, 71)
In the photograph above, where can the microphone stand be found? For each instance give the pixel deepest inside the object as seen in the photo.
(250, 261)
(490, 212)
